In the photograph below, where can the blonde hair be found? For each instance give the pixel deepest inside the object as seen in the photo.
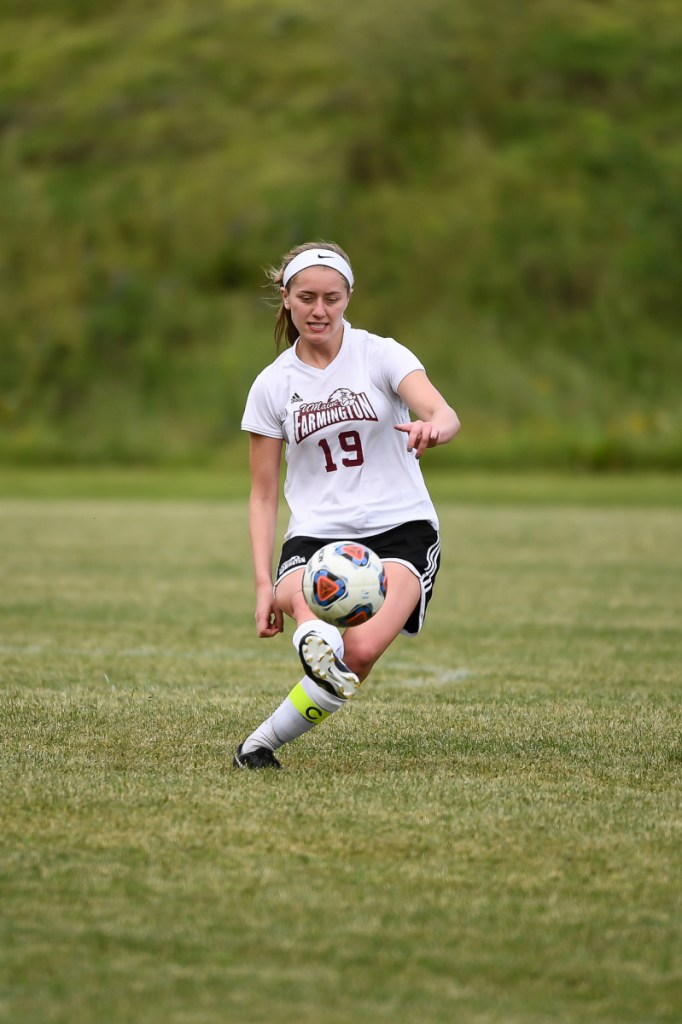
(285, 331)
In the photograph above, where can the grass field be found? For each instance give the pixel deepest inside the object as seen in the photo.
(490, 833)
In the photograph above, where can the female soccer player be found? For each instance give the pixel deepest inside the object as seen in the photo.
(338, 401)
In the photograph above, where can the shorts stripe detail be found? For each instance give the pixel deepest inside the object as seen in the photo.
(416, 545)
(432, 559)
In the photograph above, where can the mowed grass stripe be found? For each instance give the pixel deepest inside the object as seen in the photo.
(490, 832)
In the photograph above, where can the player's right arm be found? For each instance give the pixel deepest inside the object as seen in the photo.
(265, 454)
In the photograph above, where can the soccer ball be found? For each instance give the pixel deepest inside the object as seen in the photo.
(344, 583)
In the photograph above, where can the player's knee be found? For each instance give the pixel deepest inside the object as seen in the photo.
(360, 656)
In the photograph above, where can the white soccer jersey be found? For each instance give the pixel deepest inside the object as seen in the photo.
(349, 473)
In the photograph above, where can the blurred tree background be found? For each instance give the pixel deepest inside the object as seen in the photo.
(507, 181)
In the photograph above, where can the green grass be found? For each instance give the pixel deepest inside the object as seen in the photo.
(229, 479)
(490, 833)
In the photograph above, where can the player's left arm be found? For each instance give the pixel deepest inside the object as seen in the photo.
(435, 421)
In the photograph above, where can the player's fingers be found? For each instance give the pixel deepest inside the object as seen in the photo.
(413, 432)
(422, 445)
(420, 436)
(422, 441)
(266, 622)
(428, 439)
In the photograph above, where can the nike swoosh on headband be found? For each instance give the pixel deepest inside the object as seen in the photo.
(311, 258)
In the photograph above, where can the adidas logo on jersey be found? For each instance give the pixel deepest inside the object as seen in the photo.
(295, 398)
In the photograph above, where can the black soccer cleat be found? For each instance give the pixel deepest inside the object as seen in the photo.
(261, 757)
(322, 665)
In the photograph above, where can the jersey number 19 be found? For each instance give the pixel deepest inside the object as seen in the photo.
(349, 442)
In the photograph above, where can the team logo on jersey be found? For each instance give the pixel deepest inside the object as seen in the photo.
(342, 406)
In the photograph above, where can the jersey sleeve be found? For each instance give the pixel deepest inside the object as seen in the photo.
(261, 415)
(394, 362)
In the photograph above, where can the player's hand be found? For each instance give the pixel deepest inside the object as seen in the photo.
(269, 618)
(420, 435)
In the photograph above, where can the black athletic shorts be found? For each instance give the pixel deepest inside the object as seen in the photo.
(415, 545)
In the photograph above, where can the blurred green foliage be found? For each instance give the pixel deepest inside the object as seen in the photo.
(508, 184)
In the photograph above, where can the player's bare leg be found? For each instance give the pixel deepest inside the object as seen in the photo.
(312, 700)
(364, 645)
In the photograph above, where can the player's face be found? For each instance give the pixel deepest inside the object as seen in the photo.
(317, 299)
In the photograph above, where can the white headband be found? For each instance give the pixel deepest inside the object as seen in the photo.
(317, 258)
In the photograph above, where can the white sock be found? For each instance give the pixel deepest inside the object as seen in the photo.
(307, 705)
(325, 629)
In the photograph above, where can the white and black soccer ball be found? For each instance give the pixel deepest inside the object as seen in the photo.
(344, 583)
